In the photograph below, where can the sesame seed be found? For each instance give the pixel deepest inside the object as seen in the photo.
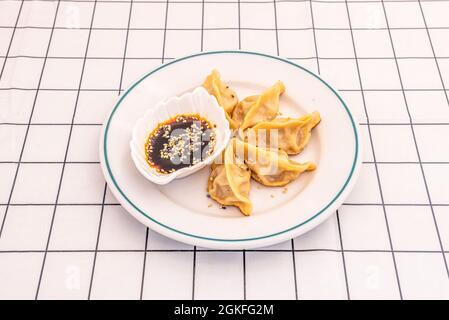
(182, 141)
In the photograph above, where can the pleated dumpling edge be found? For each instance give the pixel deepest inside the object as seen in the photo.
(272, 167)
(226, 97)
(229, 182)
(292, 134)
(258, 108)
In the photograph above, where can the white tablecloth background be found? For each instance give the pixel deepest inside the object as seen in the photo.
(64, 62)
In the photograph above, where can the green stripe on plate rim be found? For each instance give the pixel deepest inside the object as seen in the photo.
(229, 52)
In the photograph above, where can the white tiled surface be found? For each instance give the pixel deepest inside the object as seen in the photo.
(63, 236)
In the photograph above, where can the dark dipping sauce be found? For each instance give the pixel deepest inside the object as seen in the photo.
(180, 142)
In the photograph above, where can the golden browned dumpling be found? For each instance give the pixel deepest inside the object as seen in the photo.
(232, 124)
(226, 97)
(229, 182)
(271, 167)
(292, 134)
(255, 109)
(242, 109)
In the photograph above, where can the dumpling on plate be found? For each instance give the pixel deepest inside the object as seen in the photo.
(242, 109)
(291, 134)
(255, 109)
(229, 182)
(271, 167)
(226, 97)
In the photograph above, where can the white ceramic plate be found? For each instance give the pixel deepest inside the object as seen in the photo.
(181, 210)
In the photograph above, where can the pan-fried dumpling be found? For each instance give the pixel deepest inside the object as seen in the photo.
(255, 109)
(226, 97)
(232, 124)
(271, 167)
(242, 109)
(229, 182)
(292, 134)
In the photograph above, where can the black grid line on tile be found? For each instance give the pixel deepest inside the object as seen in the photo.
(61, 89)
(163, 58)
(144, 264)
(83, 204)
(126, 47)
(169, 58)
(291, 241)
(48, 124)
(50, 162)
(360, 123)
(194, 272)
(24, 251)
(344, 204)
(244, 274)
(348, 294)
(276, 27)
(374, 157)
(407, 162)
(119, 90)
(314, 36)
(145, 257)
(255, 1)
(97, 242)
(202, 26)
(416, 147)
(295, 276)
(404, 124)
(11, 40)
(27, 128)
(114, 90)
(433, 50)
(239, 27)
(319, 71)
(65, 157)
(224, 28)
